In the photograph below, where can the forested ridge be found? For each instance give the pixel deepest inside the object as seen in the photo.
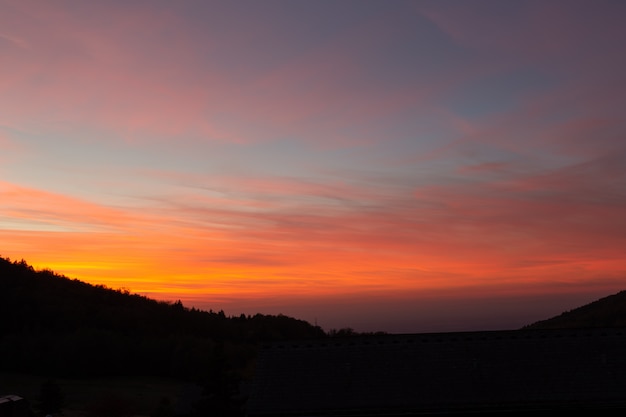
(60, 327)
(609, 311)
(54, 325)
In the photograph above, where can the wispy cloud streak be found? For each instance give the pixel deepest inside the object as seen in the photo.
(318, 151)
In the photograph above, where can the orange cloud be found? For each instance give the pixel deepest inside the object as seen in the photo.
(420, 201)
(311, 240)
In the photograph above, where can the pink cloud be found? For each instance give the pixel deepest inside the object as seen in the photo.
(531, 30)
(572, 121)
(518, 229)
(40, 208)
(80, 71)
(528, 199)
(315, 239)
(541, 215)
(14, 40)
(6, 143)
(149, 78)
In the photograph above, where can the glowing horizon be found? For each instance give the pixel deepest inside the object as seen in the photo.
(348, 161)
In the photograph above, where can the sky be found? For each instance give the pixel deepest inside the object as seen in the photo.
(399, 166)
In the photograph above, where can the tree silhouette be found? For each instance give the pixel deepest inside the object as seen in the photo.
(64, 327)
(51, 398)
(164, 409)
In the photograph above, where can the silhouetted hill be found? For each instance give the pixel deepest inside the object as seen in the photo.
(606, 312)
(59, 326)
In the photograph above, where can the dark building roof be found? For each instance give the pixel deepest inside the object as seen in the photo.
(442, 373)
(13, 406)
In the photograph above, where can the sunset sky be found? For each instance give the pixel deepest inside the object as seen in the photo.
(395, 165)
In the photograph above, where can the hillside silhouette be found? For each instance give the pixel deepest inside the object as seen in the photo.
(54, 325)
(61, 327)
(608, 311)
(65, 326)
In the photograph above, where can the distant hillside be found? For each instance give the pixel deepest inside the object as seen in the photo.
(606, 312)
(59, 326)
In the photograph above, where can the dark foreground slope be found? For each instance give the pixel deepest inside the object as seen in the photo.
(515, 372)
(606, 312)
(573, 363)
(59, 326)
